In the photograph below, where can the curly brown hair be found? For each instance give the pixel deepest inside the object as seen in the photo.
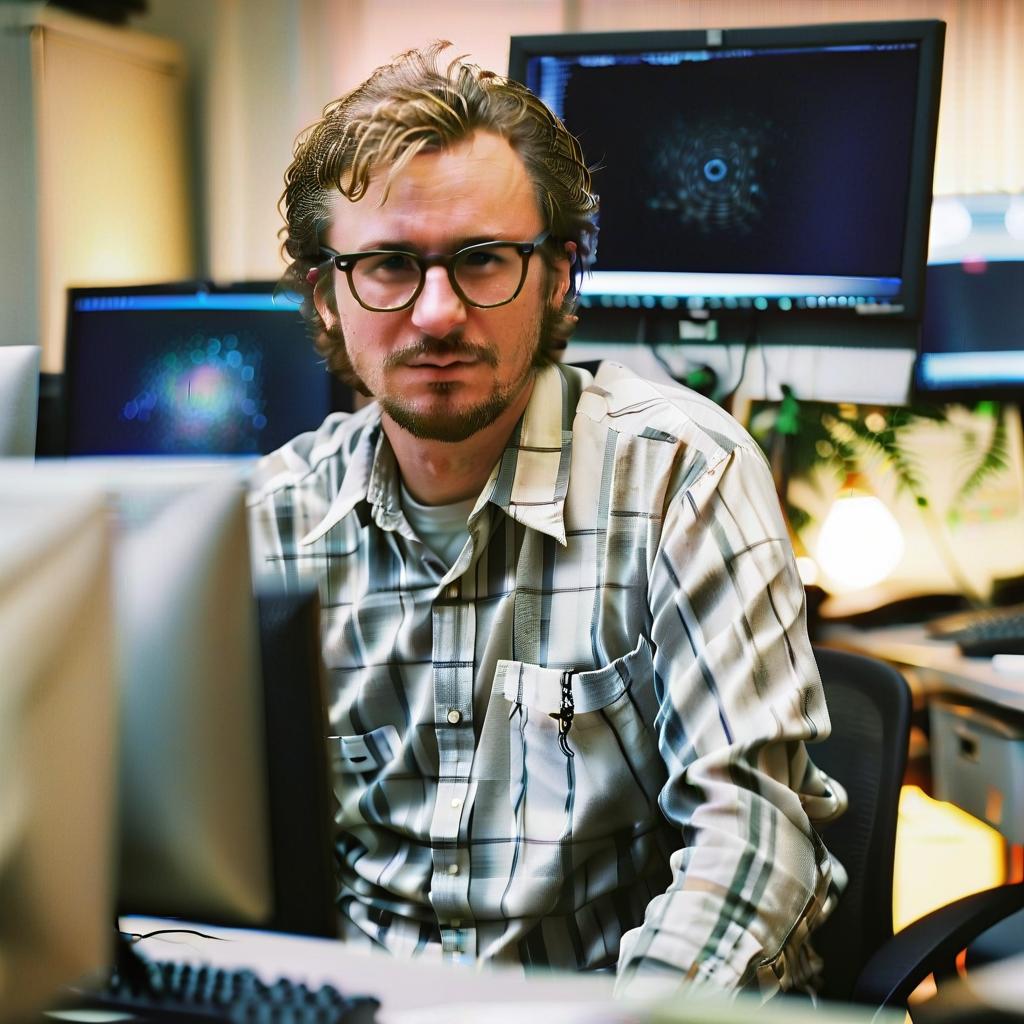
(403, 108)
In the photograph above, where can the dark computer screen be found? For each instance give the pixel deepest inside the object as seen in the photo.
(767, 169)
(972, 333)
(190, 370)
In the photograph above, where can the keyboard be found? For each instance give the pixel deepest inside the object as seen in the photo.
(983, 632)
(155, 990)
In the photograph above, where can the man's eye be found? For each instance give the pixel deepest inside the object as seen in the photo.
(484, 259)
(390, 263)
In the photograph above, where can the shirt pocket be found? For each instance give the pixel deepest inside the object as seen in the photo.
(364, 753)
(612, 779)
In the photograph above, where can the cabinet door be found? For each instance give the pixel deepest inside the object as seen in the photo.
(112, 189)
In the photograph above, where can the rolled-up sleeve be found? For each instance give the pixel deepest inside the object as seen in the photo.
(738, 695)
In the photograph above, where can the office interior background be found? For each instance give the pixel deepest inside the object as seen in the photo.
(125, 178)
(119, 175)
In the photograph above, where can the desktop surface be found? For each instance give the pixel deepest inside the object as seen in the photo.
(421, 992)
(939, 665)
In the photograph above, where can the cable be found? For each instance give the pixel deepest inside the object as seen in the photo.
(751, 340)
(134, 937)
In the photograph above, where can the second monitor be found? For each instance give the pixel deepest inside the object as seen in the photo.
(190, 369)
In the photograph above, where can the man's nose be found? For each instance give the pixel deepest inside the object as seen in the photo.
(438, 309)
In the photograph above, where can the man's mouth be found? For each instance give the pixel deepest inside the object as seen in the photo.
(440, 362)
(444, 355)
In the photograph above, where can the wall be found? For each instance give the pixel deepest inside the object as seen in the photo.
(263, 69)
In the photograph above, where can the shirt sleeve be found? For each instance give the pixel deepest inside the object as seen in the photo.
(738, 694)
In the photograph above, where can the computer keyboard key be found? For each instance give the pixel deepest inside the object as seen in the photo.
(984, 632)
(168, 990)
(988, 646)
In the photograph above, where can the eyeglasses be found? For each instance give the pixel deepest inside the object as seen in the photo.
(485, 275)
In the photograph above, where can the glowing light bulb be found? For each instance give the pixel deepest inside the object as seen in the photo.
(860, 542)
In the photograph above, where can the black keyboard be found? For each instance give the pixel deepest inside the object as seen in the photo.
(984, 632)
(166, 990)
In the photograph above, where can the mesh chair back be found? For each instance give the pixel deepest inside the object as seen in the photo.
(869, 704)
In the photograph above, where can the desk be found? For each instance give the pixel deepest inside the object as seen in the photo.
(415, 992)
(977, 750)
(938, 665)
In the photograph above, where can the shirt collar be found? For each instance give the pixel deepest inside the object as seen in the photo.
(528, 483)
(360, 479)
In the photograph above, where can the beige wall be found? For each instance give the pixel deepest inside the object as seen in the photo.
(264, 68)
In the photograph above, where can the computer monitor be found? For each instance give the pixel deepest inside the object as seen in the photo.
(190, 369)
(57, 744)
(972, 334)
(19, 399)
(780, 170)
(194, 830)
(139, 665)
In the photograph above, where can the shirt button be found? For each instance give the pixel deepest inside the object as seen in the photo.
(456, 803)
(453, 869)
(454, 716)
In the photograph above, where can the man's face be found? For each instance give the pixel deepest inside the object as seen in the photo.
(443, 369)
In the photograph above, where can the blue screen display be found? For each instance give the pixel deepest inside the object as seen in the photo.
(195, 373)
(972, 334)
(768, 177)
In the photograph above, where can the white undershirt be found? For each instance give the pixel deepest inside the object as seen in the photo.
(441, 527)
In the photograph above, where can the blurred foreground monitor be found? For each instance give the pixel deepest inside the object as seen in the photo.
(125, 584)
(57, 743)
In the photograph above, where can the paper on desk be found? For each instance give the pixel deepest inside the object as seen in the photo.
(723, 1010)
(565, 1012)
(1010, 664)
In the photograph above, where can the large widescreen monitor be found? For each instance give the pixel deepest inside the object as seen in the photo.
(780, 169)
(190, 369)
(972, 334)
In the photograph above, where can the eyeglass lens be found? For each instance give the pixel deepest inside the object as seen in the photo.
(487, 275)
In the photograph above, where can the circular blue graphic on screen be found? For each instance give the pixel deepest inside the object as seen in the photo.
(711, 175)
(716, 169)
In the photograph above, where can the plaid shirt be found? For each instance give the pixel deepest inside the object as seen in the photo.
(579, 746)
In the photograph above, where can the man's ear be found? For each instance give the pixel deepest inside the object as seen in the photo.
(562, 277)
(323, 300)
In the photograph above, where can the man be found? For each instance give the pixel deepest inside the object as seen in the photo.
(569, 673)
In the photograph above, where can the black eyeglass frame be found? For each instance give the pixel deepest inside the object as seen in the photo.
(346, 261)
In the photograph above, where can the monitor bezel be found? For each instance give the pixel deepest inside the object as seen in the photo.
(929, 34)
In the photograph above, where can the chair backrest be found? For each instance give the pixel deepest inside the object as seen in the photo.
(869, 704)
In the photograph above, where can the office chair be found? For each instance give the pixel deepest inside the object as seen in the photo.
(869, 703)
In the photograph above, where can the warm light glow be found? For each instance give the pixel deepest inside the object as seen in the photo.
(1014, 217)
(808, 569)
(951, 223)
(942, 853)
(860, 542)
